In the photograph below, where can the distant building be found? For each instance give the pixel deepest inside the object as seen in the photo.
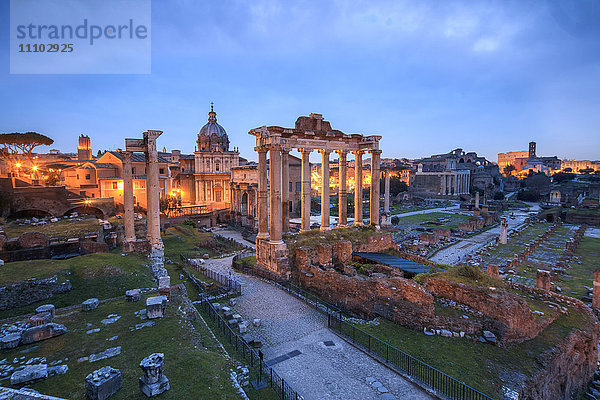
(84, 148)
(578, 165)
(526, 160)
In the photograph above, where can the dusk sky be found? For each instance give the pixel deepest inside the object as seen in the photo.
(427, 76)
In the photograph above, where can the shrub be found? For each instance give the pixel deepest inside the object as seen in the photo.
(395, 220)
(470, 272)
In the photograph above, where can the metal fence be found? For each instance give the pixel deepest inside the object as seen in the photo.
(250, 355)
(227, 282)
(424, 373)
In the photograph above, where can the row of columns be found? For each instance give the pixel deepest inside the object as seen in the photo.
(454, 184)
(237, 204)
(279, 190)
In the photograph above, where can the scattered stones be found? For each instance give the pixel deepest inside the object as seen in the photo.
(111, 352)
(111, 319)
(40, 319)
(445, 333)
(10, 341)
(242, 376)
(58, 370)
(110, 339)
(93, 331)
(153, 382)
(256, 322)
(29, 373)
(141, 325)
(216, 306)
(103, 383)
(42, 332)
(89, 304)
(133, 295)
(489, 337)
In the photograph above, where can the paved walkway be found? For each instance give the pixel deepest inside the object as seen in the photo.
(235, 235)
(303, 351)
(459, 250)
(428, 211)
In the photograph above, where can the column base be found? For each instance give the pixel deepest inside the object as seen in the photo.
(325, 228)
(358, 223)
(341, 226)
(137, 246)
(262, 236)
(274, 257)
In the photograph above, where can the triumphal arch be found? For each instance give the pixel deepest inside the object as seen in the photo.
(310, 134)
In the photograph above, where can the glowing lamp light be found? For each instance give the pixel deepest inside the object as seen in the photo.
(34, 168)
(18, 165)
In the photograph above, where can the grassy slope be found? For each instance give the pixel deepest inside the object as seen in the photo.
(192, 362)
(102, 275)
(581, 275)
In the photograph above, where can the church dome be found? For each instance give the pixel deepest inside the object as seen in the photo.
(212, 136)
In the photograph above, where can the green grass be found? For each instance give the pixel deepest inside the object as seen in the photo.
(101, 275)
(484, 367)
(193, 364)
(432, 220)
(63, 229)
(185, 239)
(581, 275)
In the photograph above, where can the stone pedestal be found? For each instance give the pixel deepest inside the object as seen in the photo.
(164, 286)
(542, 280)
(153, 382)
(103, 383)
(155, 306)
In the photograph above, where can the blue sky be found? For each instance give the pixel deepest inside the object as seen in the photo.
(428, 76)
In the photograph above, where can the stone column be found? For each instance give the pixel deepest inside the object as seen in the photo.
(477, 199)
(152, 194)
(263, 218)
(386, 201)
(325, 189)
(542, 280)
(375, 185)
(343, 192)
(596, 290)
(285, 189)
(275, 191)
(305, 211)
(503, 231)
(128, 215)
(358, 211)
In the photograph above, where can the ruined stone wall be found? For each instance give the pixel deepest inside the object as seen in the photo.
(377, 243)
(30, 291)
(515, 321)
(395, 298)
(569, 370)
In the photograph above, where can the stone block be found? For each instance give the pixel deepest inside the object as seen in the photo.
(47, 308)
(91, 247)
(216, 306)
(42, 332)
(133, 295)
(492, 270)
(90, 304)
(154, 307)
(342, 252)
(256, 322)
(10, 341)
(103, 383)
(29, 373)
(40, 319)
(542, 280)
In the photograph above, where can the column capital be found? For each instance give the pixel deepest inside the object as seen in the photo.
(275, 147)
(341, 153)
(358, 152)
(285, 149)
(325, 151)
(305, 150)
(261, 149)
(375, 151)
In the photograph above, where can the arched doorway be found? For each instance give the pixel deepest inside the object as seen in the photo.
(245, 203)
(218, 192)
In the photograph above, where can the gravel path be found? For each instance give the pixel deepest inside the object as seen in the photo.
(319, 365)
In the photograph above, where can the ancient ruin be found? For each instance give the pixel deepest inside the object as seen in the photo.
(309, 134)
(146, 145)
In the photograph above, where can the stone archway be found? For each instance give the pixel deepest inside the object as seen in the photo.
(245, 203)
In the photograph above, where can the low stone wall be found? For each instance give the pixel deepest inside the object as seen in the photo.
(514, 320)
(377, 243)
(30, 291)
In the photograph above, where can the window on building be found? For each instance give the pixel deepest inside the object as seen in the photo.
(115, 186)
(93, 194)
(291, 189)
(133, 170)
(161, 171)
(217, 166)
(87, 177)
(298, 186)
(77, 176)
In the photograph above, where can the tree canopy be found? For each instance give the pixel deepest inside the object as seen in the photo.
(11, 144)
